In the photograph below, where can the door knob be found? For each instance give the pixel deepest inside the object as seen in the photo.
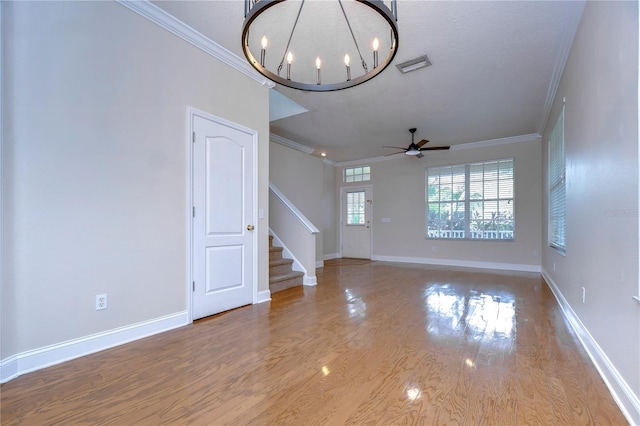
(250, 228)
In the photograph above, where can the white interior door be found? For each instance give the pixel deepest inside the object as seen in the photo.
(223, 237)
(356, 222)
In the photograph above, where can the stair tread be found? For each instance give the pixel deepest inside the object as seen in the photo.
(279, 262)
(283, 277)
(275, 248)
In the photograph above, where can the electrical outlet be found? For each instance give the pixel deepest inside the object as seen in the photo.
(101, 302)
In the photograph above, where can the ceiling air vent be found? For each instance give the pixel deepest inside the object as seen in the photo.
(414, 64)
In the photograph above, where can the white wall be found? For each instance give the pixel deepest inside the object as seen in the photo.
(95, 167)
(399, 195)
(299, 177)
(600, 84)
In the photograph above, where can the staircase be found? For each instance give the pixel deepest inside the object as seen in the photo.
(281, 276)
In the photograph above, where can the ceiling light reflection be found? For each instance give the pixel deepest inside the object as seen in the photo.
(325, 370)
(413, 393)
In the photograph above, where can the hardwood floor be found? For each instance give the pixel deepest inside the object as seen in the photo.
(373, 343)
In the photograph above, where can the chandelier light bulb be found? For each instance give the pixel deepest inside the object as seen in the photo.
(289, 60)
(347, 61)
(318, 63)
(263, 51)
(376, 44)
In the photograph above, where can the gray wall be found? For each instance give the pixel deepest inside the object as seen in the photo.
(600, 84)
(95, 163)
(399, 195)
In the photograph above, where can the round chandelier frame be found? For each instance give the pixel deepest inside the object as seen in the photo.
(255, 8)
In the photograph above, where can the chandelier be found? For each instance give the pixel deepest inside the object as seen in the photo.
(320, 45)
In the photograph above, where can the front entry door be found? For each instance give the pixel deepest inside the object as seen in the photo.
(356, 222)
(223, 234)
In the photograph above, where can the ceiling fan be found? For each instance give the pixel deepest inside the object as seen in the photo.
(416, 149)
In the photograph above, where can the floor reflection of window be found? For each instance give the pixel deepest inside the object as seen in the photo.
(482, 317)
(356, 306)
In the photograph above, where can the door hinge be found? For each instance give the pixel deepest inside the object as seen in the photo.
(193, 137)
(193, 286)
(193, 211)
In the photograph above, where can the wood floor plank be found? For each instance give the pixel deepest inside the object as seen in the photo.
(373, 343)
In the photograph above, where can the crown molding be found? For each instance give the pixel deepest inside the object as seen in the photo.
(328, 162)
(170, 23)
(491, 142)
(290, 144)
(562, 54)
(369, 160)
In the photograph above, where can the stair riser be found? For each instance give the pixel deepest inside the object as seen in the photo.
(283, 285)
(279, 269)
(275, 255)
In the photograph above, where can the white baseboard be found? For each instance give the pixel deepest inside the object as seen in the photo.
(263, 296)
(460, 263)
(628, 402)
(309, 280)
(319, 263)
(47, 356)
(332, 256)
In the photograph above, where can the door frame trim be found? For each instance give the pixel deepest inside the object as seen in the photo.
(344, 189)
(191, 114)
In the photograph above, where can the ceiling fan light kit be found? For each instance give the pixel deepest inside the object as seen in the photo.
(415, 149)
(323, 43)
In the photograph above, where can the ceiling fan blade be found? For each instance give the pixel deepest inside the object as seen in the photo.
(422, 142)
(419, 155)
(435, 148)
(396, 147)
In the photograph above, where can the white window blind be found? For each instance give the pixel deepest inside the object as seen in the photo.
(471, 201)
(557, 205)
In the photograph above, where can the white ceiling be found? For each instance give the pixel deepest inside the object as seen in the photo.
(495, 67)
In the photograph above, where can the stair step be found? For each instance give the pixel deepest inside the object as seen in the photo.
(285, 281)
(275, 253)
(280, 267)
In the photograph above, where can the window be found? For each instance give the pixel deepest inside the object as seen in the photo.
(471, 201)
(355, 208)
(357, 174)
(556, 214)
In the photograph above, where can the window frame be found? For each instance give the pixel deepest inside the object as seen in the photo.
(556, 186)
(355, 172)
(466, 199)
